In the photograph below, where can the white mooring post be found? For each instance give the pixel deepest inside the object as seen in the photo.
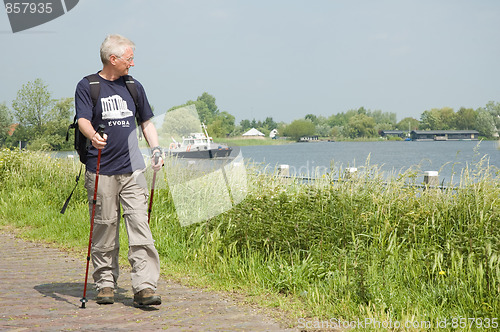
(284, 170)
(350, 172)
(431, 178)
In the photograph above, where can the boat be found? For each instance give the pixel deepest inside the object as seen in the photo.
(198, 145)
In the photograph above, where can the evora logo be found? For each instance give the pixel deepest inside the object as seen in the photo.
(28, 14)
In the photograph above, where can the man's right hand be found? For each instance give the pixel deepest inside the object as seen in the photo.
(98, 141)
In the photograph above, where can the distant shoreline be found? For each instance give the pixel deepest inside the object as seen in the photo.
(240, 141)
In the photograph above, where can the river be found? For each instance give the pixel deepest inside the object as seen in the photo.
(448, 158)
(310, 159)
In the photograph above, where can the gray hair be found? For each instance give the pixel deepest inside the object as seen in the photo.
(114, 44)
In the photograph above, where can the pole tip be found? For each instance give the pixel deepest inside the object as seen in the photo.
(83, 300)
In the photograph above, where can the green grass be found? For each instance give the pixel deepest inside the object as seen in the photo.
(355, 249)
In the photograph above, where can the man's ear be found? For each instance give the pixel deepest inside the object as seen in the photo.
(112, 59)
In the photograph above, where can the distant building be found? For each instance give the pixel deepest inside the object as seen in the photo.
(392, 133)
(253, 133)
(444, 135)
(12, 128)
(309, 138)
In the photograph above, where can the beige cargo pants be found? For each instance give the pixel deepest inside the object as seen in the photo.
(129, 191)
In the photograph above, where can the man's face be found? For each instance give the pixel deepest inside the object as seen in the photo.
(123, 63)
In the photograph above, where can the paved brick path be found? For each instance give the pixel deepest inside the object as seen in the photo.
(41, 288)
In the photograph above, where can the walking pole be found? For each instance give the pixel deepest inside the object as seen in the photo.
(84, 300)
(150, 208)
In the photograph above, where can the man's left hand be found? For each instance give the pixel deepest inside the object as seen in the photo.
(156, 158)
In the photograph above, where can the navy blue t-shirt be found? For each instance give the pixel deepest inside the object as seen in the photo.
(115, 109)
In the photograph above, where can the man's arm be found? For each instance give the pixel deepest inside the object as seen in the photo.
(86, 128)
(151, 135)
(149, 131)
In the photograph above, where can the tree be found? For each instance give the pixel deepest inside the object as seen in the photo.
(311, 117)
(222, 125)
(255, 124)
(360, 126)
(485, 123)
(204, 113)
(323, 130)
(207, 108)
(299, 128)
(32, 106)
(447, 118)
(408, 123)
(438, 119)
(59, 118)
(465, 118)
(269, 124)
(336, 131)
(336, 120)
(245, 125)
(383, 117)
(494, 109)
(53, 135)
(380, 127)
(180, 121)
(209, 100)
(341, 119)
(62, 110)
(42, 121)
(429, 120)
(20, 134)
(362, 110)
(5, 123)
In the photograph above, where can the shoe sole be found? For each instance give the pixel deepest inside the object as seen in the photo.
(149, 301)
(105, 300)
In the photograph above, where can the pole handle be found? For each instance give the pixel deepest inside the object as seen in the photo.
(100, 129)
(157, 156)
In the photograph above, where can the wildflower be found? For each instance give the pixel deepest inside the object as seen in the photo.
(442, 273)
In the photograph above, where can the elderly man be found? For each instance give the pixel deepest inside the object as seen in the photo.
(121, 179)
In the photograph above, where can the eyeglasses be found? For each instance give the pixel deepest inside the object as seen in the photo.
(129, 60)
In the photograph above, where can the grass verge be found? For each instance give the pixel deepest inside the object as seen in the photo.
(363, 248)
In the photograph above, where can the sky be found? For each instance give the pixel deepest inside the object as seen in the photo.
(276, 58)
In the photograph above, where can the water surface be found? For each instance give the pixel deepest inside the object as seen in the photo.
(448, 158)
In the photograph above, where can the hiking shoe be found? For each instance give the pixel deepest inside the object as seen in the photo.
(146, 296)
(106, 295)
